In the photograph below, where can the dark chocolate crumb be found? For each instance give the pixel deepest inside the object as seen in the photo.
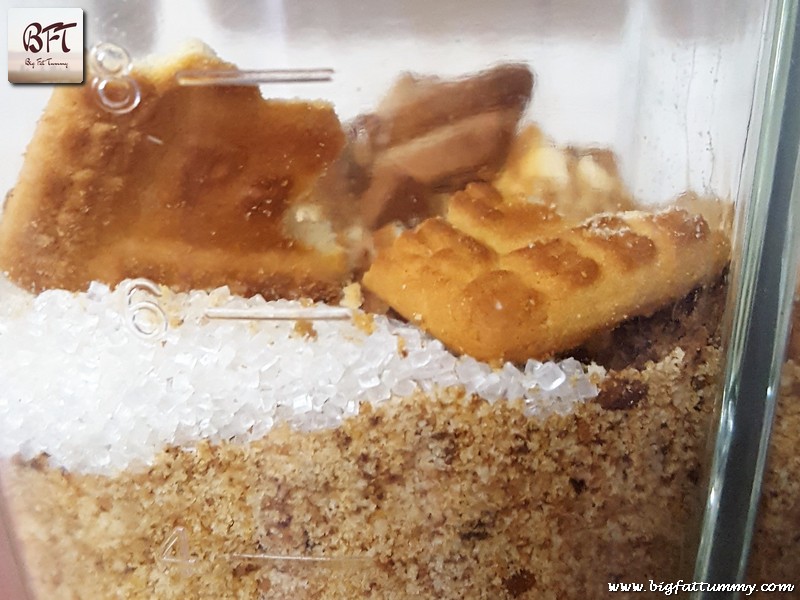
(693, 475)
(621, 394)
(519, 583)
(579, 485)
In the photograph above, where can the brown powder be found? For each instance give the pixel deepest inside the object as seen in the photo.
(774, 556)
(448, 497)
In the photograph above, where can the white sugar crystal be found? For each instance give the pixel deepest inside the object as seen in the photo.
(492, 387)
(547, 376)
(368, 379)
(471, 372)
(78, 384)
(404, 388)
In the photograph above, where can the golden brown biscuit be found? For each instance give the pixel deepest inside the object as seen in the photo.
(550, 294)
(196, 187)
(481, 212)
(717, 212)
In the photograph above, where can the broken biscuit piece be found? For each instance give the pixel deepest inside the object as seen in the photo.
(417, 105)
(196, 187)
(578, 182)
(431, 135)
(550, 294)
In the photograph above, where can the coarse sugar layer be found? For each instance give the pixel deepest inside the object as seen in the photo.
(112, 399)
(438, 495)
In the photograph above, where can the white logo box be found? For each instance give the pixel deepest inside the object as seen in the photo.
(45, 45)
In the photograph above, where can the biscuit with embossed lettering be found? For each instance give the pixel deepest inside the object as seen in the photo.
(497, 303)
(197, 187)
(481, 212)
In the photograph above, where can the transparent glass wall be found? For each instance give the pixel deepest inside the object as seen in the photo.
(772, 558)
(372, 300)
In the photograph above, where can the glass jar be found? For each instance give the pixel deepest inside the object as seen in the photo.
(433, 300)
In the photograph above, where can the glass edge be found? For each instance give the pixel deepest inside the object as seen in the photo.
(761, 291)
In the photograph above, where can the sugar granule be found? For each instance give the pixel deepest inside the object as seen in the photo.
(82, 387)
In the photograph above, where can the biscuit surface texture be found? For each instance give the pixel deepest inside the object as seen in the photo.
(509, 297)
(192, 189)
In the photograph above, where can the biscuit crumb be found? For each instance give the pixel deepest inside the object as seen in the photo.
(351, 296)
(364, 321)
(305, 328)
